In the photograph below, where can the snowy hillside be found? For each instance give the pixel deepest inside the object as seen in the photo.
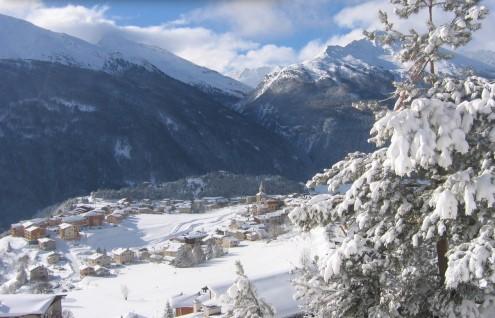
(23, 40)
(174, 66)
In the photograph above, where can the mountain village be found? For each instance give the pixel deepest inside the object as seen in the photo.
(54, 256)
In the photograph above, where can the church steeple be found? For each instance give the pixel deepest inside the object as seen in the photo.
(261, 196)
(262, 187)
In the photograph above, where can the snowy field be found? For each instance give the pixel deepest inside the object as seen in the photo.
(151, 285)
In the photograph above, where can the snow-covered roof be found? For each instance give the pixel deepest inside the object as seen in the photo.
(120, 251)
(188, 300)
(45, 240)
(93, 213)
(173, 246)
(95, 256)
(25, 304)
(32, 228)
(73, 218)
(196, 235)
(83, 267)
(36, 266)
(64, 226)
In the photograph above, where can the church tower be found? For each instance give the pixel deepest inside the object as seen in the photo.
(261, 196)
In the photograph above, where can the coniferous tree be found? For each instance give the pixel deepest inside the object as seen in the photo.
(169, 311)
(414, 233)
(242, 301)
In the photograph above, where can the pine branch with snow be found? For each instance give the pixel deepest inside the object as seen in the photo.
(242, 300)
(424, 49)
(434, 180)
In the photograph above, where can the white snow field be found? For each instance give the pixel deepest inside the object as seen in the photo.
(151, 285)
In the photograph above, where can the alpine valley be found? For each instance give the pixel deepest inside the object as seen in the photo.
(76, 117)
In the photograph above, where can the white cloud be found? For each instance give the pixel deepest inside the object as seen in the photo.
(79, 21)
(312, 49)
(19, 8)
(246, 18)
(267, 55)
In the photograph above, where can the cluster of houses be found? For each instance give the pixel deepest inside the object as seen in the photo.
(264, 213)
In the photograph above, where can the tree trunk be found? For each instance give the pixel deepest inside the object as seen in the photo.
(430, 13)
(442, 248)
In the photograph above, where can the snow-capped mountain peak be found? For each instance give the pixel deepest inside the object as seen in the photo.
(364, 56)
(23, 40)
(173, 65)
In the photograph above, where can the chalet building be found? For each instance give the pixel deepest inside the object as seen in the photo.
(239, 234)
(185, 207)
(31, 306)
(68, 232)
(94, 217)
(123, 256)
(273, 218)
(273, 204)
(86, 270)
(38, 273)
(33, 233)
(53, 258)
(211, 308)
(145, 210)
(172, 249)
(252, 236)
(17, 230)
(101, 271)
(115, 218)
(47, 244)
(99, 259)
(77, 220)
(39, 222)
(228, 242)
(144, 254)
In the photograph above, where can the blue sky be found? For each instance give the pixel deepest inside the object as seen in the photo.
(149, 13)
(225, 35)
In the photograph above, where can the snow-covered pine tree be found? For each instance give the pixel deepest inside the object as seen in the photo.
(198, 254)
(429, 190)
(241, 300)
(169, 311)
(184, 257)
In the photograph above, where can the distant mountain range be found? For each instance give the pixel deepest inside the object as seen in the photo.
(76, 117)
(309, 104)
(22, 40)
